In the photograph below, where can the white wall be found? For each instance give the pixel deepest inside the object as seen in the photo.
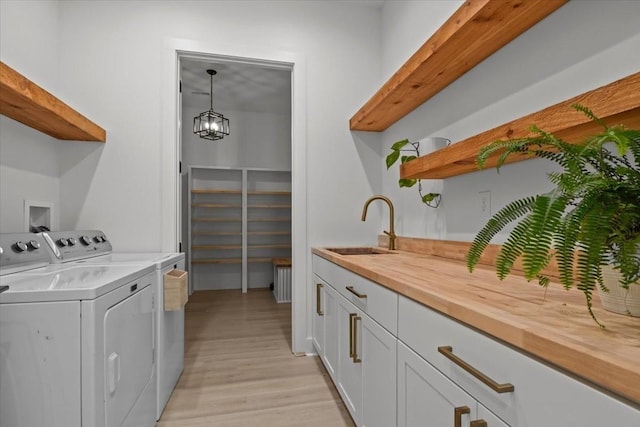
(110, 65)
(582, 46)
(28, 159)
(256, 140)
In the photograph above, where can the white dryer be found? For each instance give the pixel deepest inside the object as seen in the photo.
(77, 344)
(91, 247)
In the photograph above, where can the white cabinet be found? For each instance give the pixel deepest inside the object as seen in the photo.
(426, 398)
(330, 306)
(358, 352)
(541, 396)
(318, 302)
(397, 362)
(349, 379)
(378, 354)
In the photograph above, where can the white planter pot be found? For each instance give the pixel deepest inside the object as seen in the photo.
(618, 299)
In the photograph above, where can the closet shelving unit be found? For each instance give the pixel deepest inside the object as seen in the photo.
(240, 221)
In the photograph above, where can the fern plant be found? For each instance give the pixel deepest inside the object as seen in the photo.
(590, 219)
(430, 199)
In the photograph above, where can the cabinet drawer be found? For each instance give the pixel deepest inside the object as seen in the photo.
(377, 301)
(542, 395)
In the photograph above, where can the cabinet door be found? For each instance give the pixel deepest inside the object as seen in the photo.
(317, 298)
(489, 418)
(377, 350)
(426, 398)
(330, 353)
(349, 368)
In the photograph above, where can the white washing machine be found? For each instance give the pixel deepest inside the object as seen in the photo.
(91, 247)
(77, 343)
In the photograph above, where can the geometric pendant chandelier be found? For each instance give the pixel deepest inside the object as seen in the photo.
(211, 125)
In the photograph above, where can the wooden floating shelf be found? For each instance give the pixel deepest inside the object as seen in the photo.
(474, 32)
(26, 102)
(615, 103)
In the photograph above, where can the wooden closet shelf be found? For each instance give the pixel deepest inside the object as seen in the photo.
(615, 103)
(274, 246)
(217, 233)
(26, 102)
(260, 260)
(217, 261)
(214, 205)
(217, 219)
(474, 32)
(268, 219)
(239, 233)
(270, 206)
(208, 191)
(269, 193)
(269, 233)
(215, 247)
(230, 260)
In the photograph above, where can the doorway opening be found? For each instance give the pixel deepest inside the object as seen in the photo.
(236, 194)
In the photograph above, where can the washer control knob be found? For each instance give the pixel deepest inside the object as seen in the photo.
(72, 241)
(97, 239)
(33, 244)
(104, 238)
(20, 246)
(62, 242)
(85, 240)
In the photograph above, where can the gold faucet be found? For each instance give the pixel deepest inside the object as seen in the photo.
(390, 233)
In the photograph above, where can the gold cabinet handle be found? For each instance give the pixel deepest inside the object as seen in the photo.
(458, 412)
(351, 316)
(356, 293)
(354, 355)
(447, 351)
(478, 423)
(319, 311)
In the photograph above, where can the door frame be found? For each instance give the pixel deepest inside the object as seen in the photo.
(173, 50)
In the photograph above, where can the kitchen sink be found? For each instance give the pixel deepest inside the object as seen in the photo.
(361, 250)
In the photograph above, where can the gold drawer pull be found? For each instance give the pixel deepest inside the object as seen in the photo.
(355, 357)
(478, 423)
(356, 293)
(351, 316)
(457, 415)
(319, 311)
(447, 351)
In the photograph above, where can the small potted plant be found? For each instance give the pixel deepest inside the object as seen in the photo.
(430, 199)
(589, 221)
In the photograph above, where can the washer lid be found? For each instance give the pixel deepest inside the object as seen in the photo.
(68, 282)
(159, 259)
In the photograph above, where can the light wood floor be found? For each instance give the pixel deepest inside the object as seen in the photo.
(239, 370)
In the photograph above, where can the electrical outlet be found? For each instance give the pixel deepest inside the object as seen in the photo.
(485, 204)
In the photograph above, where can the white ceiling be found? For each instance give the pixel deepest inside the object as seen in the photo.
(240, 86)
(236, 86)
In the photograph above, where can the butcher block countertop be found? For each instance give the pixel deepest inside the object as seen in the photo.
(555, 327)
